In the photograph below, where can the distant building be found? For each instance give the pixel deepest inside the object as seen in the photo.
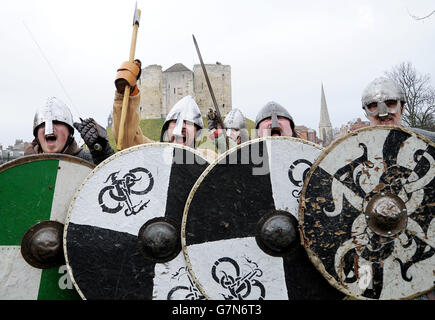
(160, 90)
(307, 134)
(351, 126)
(13, 152)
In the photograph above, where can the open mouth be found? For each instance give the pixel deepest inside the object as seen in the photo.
(275, 132)
(385, 119)
(50, 138)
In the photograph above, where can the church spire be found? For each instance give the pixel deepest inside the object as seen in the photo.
(325, 127)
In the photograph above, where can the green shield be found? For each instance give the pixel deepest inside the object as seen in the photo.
(33, 189)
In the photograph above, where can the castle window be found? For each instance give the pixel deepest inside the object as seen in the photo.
(174, 90)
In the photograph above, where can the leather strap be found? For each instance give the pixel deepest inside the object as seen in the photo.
(126, 74)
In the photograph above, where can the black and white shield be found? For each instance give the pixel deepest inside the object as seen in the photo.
(122, 237)
(240, 230)
(367, 214)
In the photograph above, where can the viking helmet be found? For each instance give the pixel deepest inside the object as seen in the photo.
(235, 120)
(380, 90)
(53, 110)
(185, 109)
(274, 110)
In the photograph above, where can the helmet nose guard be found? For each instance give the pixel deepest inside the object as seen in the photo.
(275, 123)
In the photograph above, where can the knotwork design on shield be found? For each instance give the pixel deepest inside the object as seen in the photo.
(240, 233)
(366, 215)
(122, 191)
(227, 273)
(135, 254)
(184, 292)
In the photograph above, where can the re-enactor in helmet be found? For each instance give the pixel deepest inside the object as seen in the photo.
(234, 126)
(274, 120)
(383, 101)
(182, 123)
(53, 129)
(181, 126)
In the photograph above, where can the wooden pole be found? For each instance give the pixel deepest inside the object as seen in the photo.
(119, 145)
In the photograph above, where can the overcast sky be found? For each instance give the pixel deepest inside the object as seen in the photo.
(278, 51)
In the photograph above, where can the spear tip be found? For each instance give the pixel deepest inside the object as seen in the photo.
(136, 16)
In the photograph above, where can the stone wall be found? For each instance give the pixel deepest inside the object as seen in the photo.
(220, 79)
(175, 86)
(150, 86)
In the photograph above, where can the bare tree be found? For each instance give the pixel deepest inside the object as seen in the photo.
(419, 95)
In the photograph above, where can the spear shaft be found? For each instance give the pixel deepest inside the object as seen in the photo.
(136, 19)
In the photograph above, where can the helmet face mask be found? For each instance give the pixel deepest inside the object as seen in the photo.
(382, 97)
(381, 109)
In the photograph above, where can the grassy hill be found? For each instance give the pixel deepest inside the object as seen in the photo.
(152, 127)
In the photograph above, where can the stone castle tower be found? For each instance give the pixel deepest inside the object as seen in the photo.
(160, 90)
(325, 127)
(220, 79)
(150, 86)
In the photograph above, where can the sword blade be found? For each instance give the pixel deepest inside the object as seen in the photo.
(219, 118)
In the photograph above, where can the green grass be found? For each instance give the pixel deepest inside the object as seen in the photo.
(152, 127)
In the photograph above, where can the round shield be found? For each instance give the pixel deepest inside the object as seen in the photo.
(34, 198)
(122, 235)
(366, 214)
(240, 231)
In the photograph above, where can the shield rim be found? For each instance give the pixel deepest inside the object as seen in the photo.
(90, 175)
(198, 183)
(44, 156)
(315, 260)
